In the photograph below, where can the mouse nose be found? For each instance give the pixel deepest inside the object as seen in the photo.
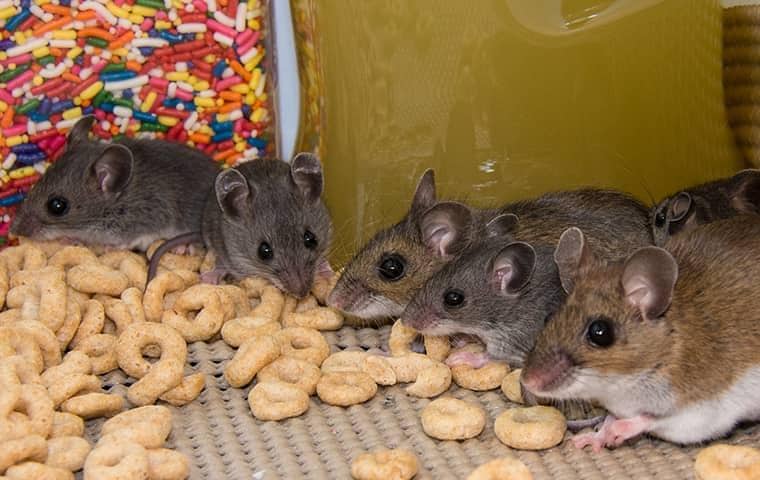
(335, 300)
(297, 286)
(418, 320)
(544, 376)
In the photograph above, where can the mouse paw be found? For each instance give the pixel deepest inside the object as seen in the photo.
(213, 277)
(475, 360)
(613, 432)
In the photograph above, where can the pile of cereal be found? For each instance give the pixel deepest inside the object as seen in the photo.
(187, 71)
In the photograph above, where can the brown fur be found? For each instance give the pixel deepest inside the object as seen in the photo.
(709, 336)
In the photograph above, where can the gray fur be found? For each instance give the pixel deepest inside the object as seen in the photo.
(278, 211)
(507, 322)
(711, 201)
(163, 197)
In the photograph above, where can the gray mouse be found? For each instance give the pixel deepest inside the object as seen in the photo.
(125, 194)
(498, 290)
(265, 218)
(384, 275)
(715, 200)
(667, 339)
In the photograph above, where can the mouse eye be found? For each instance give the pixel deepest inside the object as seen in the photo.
(600, 332)
(265, 251)
(309, 240)
(453, 298)
(659, 219)
(57, 206)
(391, 268)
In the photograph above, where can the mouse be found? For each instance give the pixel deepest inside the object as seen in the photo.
(381, 279)
(666, 339)
(498, 290)
(265, 218)
(715, 200)
(124, 194)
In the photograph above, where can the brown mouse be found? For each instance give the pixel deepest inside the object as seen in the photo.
(723, 198)
(384, 275)
(667, 340)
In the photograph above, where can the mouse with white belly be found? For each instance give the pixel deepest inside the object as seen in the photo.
(667, 340)
(124, 194)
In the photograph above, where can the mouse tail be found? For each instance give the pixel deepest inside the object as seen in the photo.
(183, 239)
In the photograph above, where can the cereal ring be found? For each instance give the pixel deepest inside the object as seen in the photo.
(149, 426)
(73, 363)
(431, 381)
(379, 369)
(160, 377)
(93, 319)
(512, 388)
(37, 471)
(66, 425)
(34, 401)
(165, 464)
(100, 349)
(295, 371)
(67, 453)
(208, 263)
(507, 468)
(208, 321)
(15, 425)
(94, 405)
(240, 329)
(70, 323)
(133, 299)
(235, 297)
(175, 261)
(16, 342)
(277, 400)
(408, 367)
(117, 460)
(253, 355)
(190, 278)
(305, 304)
(187, 391)
(96, 278)
(153, 299)
(401, 339)
(10, 316)
(79, 297)
(72, 255)
(118, 313)
(437, 348)
(397, 464)
(32, 447)
(72, 385)
(727, 462)
(320, 318)
(344, 361)
(15, 370)
(47, 302)
(304, 343)
(42, 336)
(272, 300)
(113, 259)
(136, 272)
(346, 388)
(452, 419)
(322, 286)
(530, 428)
(487, 377)
(23, 257)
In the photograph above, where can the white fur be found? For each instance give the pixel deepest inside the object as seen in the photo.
(628, 396)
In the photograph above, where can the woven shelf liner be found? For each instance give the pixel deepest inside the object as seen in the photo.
(224, 441)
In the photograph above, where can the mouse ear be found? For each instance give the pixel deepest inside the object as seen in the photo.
(513, 266)
(745, 195)
(569, 255)
(306, 171)
(113, 169)
(649, 277)
(445, 228)
(680, 206)
(81, 130)
(424, 194)
(502, 225)
(232, 191)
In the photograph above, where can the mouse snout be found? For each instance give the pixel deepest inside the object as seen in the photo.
(544, 375)
(25, 226)
(296, 285)
(419, 320)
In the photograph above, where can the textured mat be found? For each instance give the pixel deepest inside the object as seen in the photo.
(224, 441)
(741, 77)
